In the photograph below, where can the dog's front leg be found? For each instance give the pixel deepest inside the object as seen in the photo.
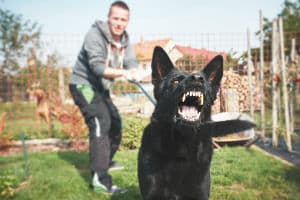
(38, 123)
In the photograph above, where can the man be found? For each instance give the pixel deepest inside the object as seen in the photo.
(106, 54)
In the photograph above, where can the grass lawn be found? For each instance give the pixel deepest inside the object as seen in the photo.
(237, 173)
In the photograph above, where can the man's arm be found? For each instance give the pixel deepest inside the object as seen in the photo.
(113, 73)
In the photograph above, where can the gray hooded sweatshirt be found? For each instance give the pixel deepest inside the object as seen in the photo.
(96, 52)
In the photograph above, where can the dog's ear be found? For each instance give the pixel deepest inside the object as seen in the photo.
(214, 70)
(161, 64)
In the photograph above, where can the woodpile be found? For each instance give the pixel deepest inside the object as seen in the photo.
(232, 81)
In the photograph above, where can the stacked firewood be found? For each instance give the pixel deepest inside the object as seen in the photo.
(239, 84)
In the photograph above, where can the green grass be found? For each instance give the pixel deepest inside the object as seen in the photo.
(237, 174)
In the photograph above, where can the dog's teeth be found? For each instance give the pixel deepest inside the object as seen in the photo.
(183, 98)
(200, 100)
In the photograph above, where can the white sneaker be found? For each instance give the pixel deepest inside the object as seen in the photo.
(116, 190)
(97, 186)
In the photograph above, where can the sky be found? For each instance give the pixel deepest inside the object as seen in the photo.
(66, 18)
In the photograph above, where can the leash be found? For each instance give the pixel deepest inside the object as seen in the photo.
(139, 85)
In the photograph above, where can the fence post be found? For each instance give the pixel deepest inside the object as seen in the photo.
(262, 103)
(231, 100)
(292, 88)
(275, 83)
(250, 66)
(25, 154)
(284, 85)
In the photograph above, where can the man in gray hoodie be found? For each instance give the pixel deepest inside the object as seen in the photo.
(106, 54)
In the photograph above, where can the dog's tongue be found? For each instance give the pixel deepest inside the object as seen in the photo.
(189, 112)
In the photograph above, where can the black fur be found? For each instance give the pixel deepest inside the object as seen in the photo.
(176, 150)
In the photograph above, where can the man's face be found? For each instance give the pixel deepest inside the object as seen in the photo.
(118, 19)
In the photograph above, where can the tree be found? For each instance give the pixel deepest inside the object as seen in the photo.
(290, 14)
(16, 37)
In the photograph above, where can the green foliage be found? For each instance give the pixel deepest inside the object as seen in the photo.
(11, 175)
(132, 131)
(16, 37)
(290, 14)
(7, 184)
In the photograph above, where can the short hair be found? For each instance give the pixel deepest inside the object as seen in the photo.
(120, 4)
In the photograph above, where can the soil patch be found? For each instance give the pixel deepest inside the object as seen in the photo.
(281, 151)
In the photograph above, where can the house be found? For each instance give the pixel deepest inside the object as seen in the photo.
(144, 50)
(196, 58)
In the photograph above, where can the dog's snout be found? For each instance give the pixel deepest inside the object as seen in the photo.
(196, 77)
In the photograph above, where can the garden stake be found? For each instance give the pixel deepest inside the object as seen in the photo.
(25, 155)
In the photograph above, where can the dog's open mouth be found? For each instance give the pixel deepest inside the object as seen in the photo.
(190, 105)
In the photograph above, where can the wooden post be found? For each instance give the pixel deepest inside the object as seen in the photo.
(275, 83)
(293, 74)
(250, 68)
(231, 100)
(61, 85)
(262, 95)
(284, 85)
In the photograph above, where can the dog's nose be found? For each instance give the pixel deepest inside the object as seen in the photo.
(197, 77)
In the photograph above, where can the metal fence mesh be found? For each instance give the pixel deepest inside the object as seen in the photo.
(48, 70)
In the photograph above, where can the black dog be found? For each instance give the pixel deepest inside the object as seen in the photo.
(176, 150)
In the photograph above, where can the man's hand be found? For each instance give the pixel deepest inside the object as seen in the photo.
(128, 74)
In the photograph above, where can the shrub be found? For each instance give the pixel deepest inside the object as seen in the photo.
(7, 186)
(133, 127)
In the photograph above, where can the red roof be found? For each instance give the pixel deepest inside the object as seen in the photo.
(144, 49)
(203, 53)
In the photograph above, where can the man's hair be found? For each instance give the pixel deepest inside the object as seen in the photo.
(120, 4)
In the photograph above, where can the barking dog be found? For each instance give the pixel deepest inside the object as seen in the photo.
(42, 107)
(176, 149)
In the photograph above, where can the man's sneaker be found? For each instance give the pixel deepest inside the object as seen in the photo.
(97, 186)
(116, 190)
(115, 166)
